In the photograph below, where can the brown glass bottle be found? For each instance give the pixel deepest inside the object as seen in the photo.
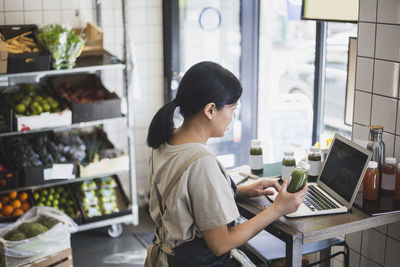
(397, 187)
(388, 177)
(371, 181)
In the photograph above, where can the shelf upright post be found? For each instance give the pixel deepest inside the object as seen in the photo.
(129, 98)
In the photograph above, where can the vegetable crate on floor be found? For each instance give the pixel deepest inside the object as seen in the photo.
(60, 259)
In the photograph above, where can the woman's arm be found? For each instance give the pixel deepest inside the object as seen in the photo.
(223, 239)
(258, 188)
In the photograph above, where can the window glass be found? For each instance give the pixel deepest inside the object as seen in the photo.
(286, 79)
(338, 35)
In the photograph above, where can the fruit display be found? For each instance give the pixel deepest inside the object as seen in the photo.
(22, 44)
(32, 100)
(58, 197)
(14, 204)
(62, 43)
(85, 93)
(7, 177)
(31, 229)
(98, 197)
(35, 151)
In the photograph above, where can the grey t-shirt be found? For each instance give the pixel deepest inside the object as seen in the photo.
(202, 199)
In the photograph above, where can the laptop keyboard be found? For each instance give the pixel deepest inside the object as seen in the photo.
(315, 200)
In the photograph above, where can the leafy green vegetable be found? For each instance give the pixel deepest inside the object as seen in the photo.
(62, 43)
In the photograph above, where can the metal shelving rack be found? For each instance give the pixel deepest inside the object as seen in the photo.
(95, 64)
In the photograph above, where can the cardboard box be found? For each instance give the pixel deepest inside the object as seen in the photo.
(44, 120)
(24, 62)
(3, 57)
(105, 166)
(108, 107)
(93, 36)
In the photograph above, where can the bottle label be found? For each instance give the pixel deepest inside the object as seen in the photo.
(287, 171)
(256, 162)
(388, 181)
(315, 167)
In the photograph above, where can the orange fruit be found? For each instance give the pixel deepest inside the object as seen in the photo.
(1, 205)
(13, 194)
(16, 204)
(25, 206)
(23, 196)
(18, 212)
(7, 210)
(5, 200)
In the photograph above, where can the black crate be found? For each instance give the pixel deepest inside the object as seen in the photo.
(109, 107)
(24, 62)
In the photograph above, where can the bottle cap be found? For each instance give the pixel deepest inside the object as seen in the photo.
(373, 164)
(390, 160)
(288, 153)
(304, 165)
(255, 142)
(376, 128)
(314, 149)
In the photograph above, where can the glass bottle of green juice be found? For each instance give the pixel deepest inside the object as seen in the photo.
(298, 178)
(315, 161)
(288, 164)
(256, 157)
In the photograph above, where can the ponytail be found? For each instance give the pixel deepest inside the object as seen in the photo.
(161, 126)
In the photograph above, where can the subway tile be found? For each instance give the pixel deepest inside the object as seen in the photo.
(70, 4)
(2, 18)
(388, 42)
(394, 228)
(382, 229)
(362, 107)
(353, 240)
(86, 15)
(33, 5)
(107, 17)
(386, 78)
(366, 39)
(51, 4)
(365, 262)
(118, 19)
(367, 11)
(398, 118)
(1, 5)
(360, 132)
(12, 17)
(33, 17)
(336, 263)
(136, 16)
(392, 258)
(388, 139)
(373, 245)
(83, 4)
(364, 74)
(354, 258)
(69, 18)
(384, 112)
(389, 11)
(397, 148)
(52, 16)
(13, 5)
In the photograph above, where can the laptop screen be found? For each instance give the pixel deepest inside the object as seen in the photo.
(343, 168)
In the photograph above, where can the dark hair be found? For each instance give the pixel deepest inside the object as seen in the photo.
(203, 83)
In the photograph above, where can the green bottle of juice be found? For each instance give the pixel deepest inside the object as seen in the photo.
(299, 177)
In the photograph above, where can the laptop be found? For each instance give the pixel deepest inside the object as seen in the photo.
(338, 183)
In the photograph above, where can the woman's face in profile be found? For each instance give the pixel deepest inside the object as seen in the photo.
(223, 119)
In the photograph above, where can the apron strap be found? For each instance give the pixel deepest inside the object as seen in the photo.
(162, 203)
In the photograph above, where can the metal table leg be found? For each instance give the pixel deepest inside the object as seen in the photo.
(323, 254)
(294, 251)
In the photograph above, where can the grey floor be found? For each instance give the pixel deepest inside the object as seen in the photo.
(96, 248)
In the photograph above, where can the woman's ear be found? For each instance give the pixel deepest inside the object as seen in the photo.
(209, 110)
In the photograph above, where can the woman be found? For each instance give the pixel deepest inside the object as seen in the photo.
(192, 199)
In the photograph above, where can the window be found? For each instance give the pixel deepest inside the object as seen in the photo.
(286, 79)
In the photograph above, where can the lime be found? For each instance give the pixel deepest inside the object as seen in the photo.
(37, 98)
(54, 104)
(20, 108)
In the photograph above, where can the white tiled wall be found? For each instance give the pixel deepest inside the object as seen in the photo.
(377, 102)
(145, 33)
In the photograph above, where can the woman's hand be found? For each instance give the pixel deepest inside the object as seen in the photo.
(286, 202)
(258, 188)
